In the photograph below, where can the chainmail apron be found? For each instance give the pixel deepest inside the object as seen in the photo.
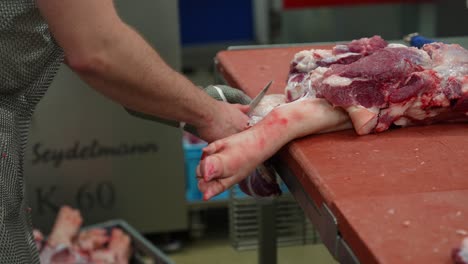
(29, 58)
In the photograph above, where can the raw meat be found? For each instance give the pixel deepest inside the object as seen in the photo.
(66, 244)
(388, 84)
(309, 65)
(366, 84)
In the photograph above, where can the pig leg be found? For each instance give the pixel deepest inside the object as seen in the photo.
(118, 252)
(92, 239)
(120, 245)
(228, 161)
(59, 248)
(66, 227)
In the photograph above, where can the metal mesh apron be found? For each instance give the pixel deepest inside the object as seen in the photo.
(29, 58)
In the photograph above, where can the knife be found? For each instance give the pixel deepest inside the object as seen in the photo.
(258, 98)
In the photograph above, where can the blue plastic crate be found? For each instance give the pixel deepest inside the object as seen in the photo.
(213, 21)
(192, 154)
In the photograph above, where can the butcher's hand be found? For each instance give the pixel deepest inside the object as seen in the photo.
(231, 116)
(229, 119)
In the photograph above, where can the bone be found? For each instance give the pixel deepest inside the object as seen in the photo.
(363, 119)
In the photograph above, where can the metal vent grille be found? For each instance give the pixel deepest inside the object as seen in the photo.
(292, 226)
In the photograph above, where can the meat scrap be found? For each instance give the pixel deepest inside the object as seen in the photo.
(67, 244)
(367, 84)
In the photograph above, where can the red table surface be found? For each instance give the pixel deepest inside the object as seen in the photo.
(345, 171)
(409, 228)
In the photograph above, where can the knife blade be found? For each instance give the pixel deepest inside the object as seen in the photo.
(258, 98)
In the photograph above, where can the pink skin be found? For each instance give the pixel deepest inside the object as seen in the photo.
(228, 161)
(63, 257)
(103, 256)
(120, 244)
(92, 239)
(66, 227)
(118, 252)
(38, 236)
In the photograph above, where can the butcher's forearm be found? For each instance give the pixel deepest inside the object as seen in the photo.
(115, 60)
(131, 73)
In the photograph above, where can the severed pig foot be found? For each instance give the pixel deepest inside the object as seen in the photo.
(120, 245)
(228, 161)
(118, 252)
(66, 227)
(92, 239)
(61, 255)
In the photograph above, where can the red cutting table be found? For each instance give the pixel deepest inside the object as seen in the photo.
(395, 197)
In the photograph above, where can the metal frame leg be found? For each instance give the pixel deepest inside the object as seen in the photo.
(267, 246)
